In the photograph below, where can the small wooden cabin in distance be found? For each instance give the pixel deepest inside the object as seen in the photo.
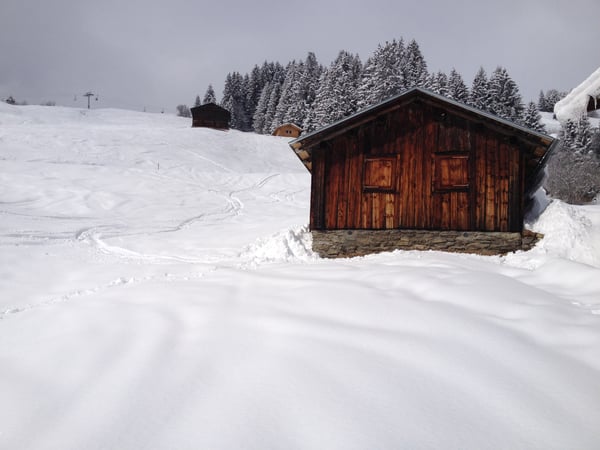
(210, 115)
(290, 130)
(420, 171)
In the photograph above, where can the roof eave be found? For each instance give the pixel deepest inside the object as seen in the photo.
(302, 145)
(325, 130)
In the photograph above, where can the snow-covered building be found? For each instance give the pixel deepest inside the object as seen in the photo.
(581, 100)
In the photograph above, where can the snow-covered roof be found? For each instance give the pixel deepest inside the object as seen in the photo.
(575, 104)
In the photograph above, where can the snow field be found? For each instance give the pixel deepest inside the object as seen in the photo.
(157, 290)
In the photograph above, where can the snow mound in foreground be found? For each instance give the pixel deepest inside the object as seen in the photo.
(566, 231)
(294, 244)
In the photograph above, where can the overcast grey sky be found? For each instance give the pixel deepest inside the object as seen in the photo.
(157, 54)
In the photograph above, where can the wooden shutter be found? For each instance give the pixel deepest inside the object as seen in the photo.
(451, 172)
(379, 174)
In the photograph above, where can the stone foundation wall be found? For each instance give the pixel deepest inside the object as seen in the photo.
(348, 243)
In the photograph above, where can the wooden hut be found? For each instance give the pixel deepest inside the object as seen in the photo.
(290, 130)
(210, 115)
(420, 171)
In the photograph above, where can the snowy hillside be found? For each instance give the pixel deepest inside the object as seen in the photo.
(157, 290)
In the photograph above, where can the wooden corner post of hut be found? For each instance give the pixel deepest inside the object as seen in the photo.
(420, 171)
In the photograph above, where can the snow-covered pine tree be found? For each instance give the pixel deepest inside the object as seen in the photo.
(567, 135)
(266, 73)
(414, 67)
(197, 102)
(302, 113)
(209, 96)
(457, 89)
(552, 97)
(310, 84)
(583, 135)
(274, 74)
(244, 101)
(479, 97)
(382, 76)
(368, 90)
(438, 83)
(532, 118)
(505, 100)
(272, 107)
(310, 121)
(291, 107)
(542, 102)
(229, 89)
(336, 96)
(576, 135)
(261, 109)
(234, 101)
(254, 86)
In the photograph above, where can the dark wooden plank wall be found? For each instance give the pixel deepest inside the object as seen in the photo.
(452, 207)
(413, 135)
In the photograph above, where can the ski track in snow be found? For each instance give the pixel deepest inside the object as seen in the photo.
(233, 207)
(117, 283)
(211, 161)
(93, 236)
(96, 238)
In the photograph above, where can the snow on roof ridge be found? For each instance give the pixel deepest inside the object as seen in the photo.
(574, 105)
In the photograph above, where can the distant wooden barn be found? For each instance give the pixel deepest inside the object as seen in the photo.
(290, 130)
(421, 171)
(210, 115)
